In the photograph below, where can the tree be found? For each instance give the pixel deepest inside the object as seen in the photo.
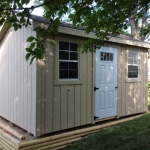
(105, 18)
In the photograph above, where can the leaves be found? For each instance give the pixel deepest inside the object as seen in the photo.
(28, 55)
(52, 42)
(30, 39)
(37, 29)
(102, 17)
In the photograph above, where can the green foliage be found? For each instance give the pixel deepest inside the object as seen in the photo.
(105, 18)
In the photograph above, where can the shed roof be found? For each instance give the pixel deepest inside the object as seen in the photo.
(68, 28)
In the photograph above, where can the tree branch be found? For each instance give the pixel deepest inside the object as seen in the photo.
(32, 7)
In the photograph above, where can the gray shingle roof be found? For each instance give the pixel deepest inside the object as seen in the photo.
(41, 19)
(69, 25)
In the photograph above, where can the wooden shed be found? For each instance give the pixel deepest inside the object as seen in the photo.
(69, 89)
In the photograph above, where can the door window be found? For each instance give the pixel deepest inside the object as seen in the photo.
(104, 56)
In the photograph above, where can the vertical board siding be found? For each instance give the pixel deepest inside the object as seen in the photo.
(133, 95)
(17, 78)
(83, 96)
(77, 105)
(146, 80)
(89, 86)
(49, 88)
(123, 89)
(67, 105)
(57, 108)
(71, 106)
(63, 107)
(119, 82)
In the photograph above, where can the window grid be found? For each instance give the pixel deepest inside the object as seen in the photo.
(133, 64)
(68, 69)
(104, 56)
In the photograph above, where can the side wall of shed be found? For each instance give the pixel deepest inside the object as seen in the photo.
(63, 104)
(132, 95)
(17, 80)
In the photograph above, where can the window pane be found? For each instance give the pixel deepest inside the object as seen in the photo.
(63, 65)
(73, 46)
(73, 74)
(136, 61)
(129, 74)
(73, 56)
(63, 74)
(73, 65)
(63, 45)
(132, 68)
(135, 75)
(130, 54)
(63, 55)
(129, 68)
(135, 68)
(130, 60)
(103, 56)
(109, 57)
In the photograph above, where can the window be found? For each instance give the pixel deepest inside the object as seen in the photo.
(68, 60)
(133, 64)
(106, 56)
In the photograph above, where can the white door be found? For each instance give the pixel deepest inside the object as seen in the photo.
(106, 83)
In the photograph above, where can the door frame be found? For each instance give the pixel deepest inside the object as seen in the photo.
(106, 49)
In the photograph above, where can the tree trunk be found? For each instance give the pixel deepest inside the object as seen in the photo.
(134, 31)
(144, 18)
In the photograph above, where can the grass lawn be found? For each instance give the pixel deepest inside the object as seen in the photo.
(132, 135)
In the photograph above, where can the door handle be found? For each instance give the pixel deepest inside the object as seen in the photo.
(95, 88)
(116, 87)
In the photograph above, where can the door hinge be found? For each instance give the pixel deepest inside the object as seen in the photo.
(95, 88)
(95, 117)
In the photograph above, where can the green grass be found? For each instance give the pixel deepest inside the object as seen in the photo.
(132, 135)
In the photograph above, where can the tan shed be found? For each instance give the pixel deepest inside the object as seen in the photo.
(69, 89)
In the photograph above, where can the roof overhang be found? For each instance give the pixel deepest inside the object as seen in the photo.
(81, 33)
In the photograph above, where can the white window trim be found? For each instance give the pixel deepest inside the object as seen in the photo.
(139, 66)
(56, 81)
(61, 60)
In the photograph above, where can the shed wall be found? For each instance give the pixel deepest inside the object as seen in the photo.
(65, 104)
(17, 80)
(132, 95)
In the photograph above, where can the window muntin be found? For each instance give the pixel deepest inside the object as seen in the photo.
(68, 60)
(133, 64)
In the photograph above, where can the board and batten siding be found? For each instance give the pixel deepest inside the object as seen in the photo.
(17, 80)
(131, 95)
(68, 104)
(63, 104)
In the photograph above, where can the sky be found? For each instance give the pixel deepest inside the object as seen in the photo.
(37, 11)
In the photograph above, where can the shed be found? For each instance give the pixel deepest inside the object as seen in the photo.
(69, 89)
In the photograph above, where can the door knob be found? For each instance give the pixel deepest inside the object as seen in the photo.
(116, 87)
